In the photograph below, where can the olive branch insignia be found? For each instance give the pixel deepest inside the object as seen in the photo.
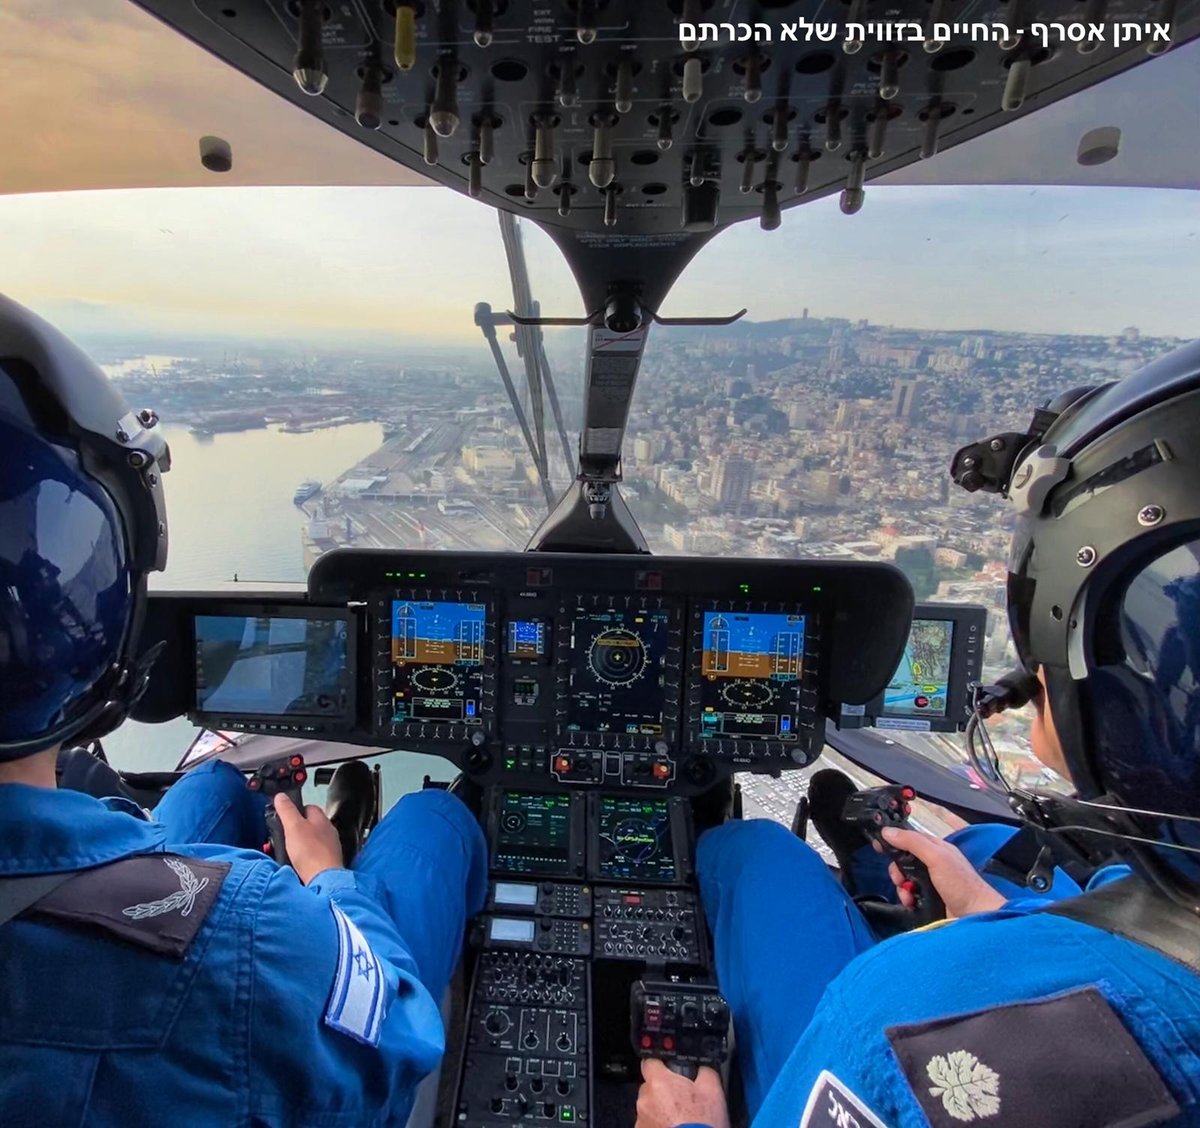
(183, 900)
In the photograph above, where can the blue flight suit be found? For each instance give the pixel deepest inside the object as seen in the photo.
(240, 1030)
(811, 990)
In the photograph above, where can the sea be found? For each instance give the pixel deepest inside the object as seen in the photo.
(230, 514)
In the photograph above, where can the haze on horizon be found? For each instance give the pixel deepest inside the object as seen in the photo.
(378, 264)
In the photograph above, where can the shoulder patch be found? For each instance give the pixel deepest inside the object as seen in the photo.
(832, 1105)
(156, 901)
(358, 996)
(1067, 1061)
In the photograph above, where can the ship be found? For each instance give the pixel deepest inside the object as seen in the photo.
(306, 489)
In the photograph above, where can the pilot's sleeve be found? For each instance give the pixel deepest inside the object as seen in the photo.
(340, 1023)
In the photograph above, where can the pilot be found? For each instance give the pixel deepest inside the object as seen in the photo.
(161, 970)
(1017, 1010)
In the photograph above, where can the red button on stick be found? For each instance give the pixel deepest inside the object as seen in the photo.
(296, 761)
(668, 1043)
(300, 776)
(908, 793)
(255, 784)
(647, 1041)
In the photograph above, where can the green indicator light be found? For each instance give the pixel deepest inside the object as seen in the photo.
(568, 1113)
(510, 764)
(744, 589)
(817, 588)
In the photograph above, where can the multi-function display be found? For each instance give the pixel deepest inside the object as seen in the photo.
(532, 833)
(272, 666)
(751, 674)
(920, 685)
(617, 675)
(634, 840)
(437, 654)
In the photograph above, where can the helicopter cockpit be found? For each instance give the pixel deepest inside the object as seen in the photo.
(600, 702)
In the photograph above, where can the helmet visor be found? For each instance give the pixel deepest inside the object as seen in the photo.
(1143, 695)
(66, 589)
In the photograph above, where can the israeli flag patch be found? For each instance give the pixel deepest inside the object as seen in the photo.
(356, 1003)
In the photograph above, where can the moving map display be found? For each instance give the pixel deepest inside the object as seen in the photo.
(533, 833)
(635, 840)
(751, 667)
(266, 666)
(437, 660)
(616, 675)
(920, 685)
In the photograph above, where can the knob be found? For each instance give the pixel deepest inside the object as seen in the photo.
(563, 1041)
(496, 1022)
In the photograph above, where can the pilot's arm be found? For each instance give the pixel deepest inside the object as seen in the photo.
(341, 1027)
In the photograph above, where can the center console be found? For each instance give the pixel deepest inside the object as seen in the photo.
(589, 895)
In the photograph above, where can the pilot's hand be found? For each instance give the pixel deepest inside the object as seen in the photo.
(667, 1100)
(312, 842)
(957, 881)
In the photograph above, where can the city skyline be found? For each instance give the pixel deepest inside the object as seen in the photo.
(409, 264)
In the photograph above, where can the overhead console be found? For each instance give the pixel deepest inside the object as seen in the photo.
(535, 670)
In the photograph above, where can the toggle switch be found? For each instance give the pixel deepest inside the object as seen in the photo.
(308, 66)
(404, 45)
(443, 115)
(852, 197)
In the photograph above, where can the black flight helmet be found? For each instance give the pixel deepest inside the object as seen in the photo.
(1104, 598)
(82, 524)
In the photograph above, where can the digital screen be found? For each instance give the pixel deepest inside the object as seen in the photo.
(250, 665)
(437, 661)
(526, 640)
(920, 685)
(516, 893)
(512, 930)
(617, 671)
(751, 666)
(533, 833)
(635, 840)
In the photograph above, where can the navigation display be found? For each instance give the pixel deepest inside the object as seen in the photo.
(635, 841)
(751, 666)
(437, 659)
(920, 685)
(617, 671)
(248, 665)
(532, 833)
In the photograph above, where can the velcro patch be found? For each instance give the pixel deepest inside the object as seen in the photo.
(156, 901)
(1066, 1061)
(832, 1105)
(358, 997)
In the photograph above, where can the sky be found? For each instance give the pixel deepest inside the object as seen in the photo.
(411, 262)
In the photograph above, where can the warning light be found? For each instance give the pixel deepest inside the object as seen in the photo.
(744, 589)
(562, 764)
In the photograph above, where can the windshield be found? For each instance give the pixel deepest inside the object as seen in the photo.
(323, 381)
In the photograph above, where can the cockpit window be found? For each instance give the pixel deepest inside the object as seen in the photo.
(319, 360)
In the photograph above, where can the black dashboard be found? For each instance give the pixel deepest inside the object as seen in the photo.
(543, 670)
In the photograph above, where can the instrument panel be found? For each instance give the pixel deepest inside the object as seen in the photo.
(545, 669)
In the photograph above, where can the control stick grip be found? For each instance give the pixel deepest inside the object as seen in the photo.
(286, 775)
(929, 906)
(684, 1068)
(874, 808)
